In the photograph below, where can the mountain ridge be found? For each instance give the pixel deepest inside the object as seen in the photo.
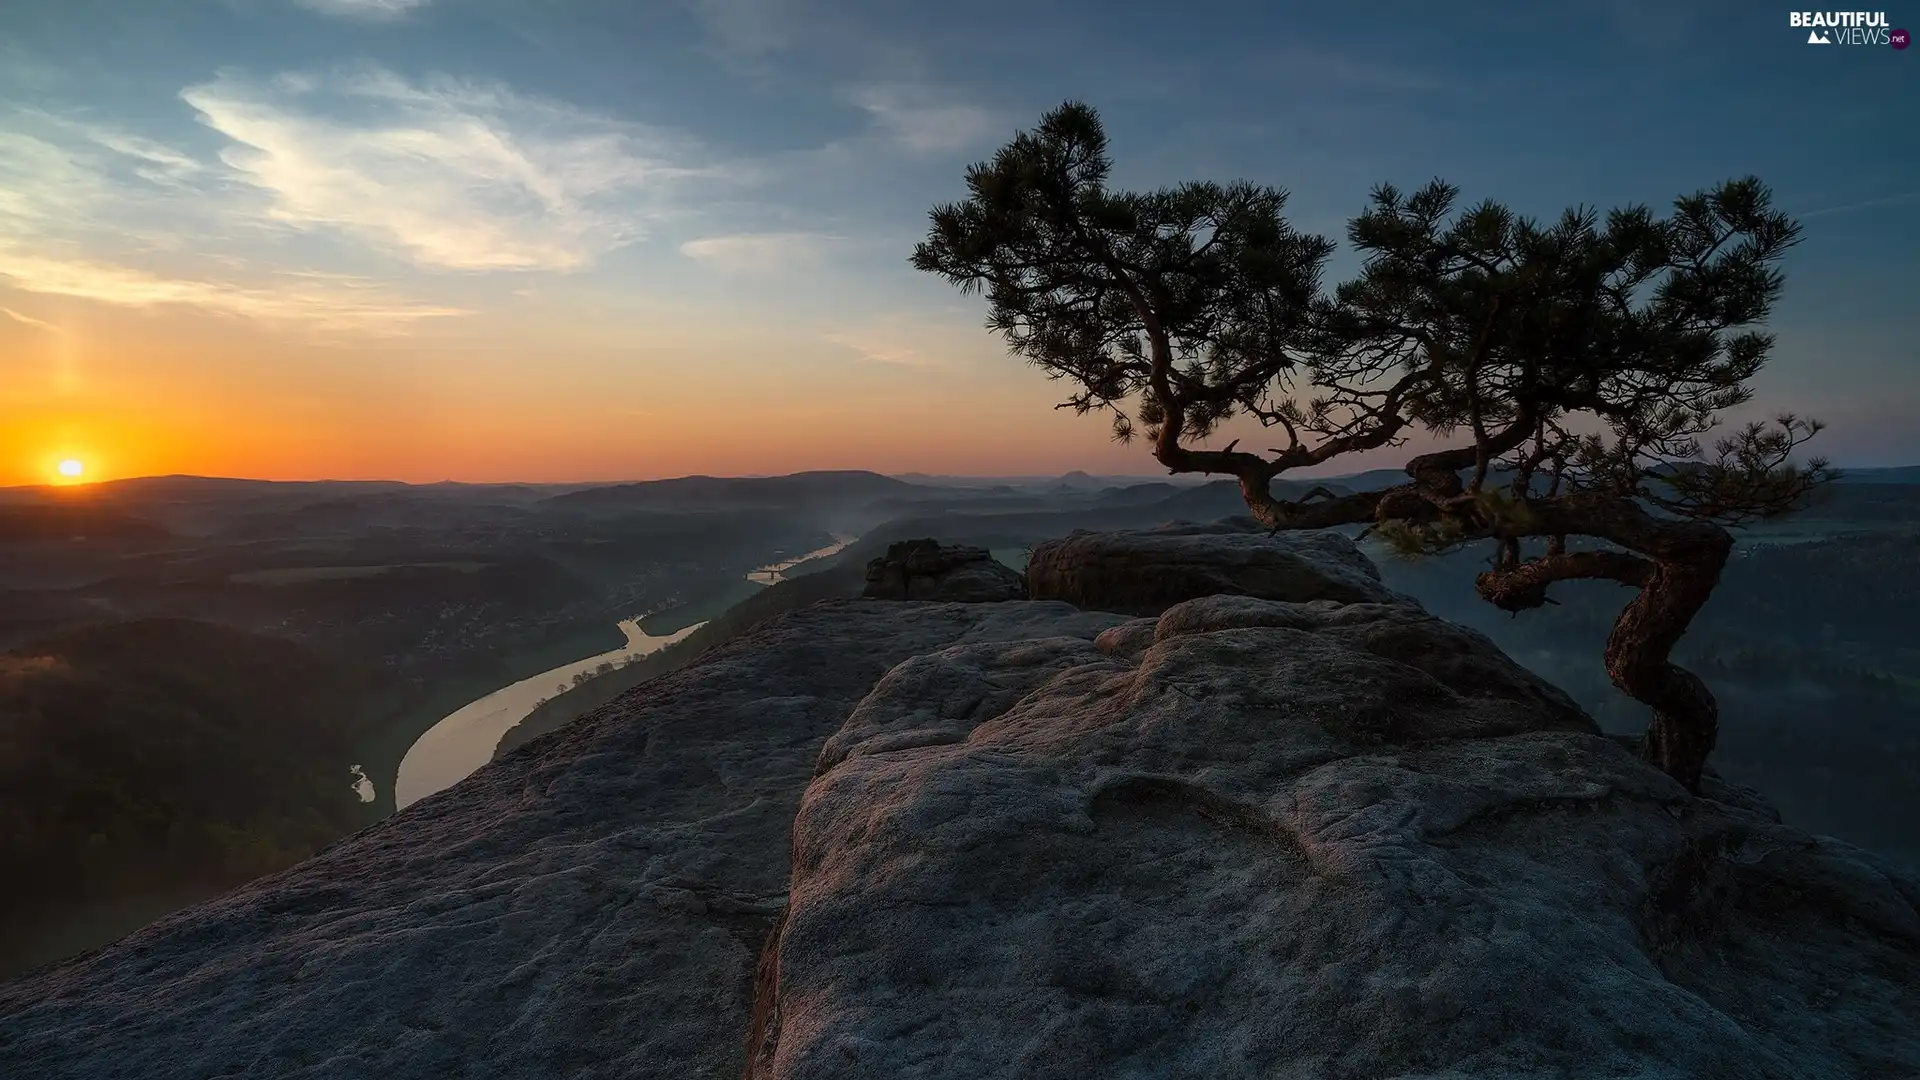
(178, 484)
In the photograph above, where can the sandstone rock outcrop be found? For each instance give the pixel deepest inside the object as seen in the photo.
(1322, 836)
(1311, 840)
(591, 905)
(930, 570)
(1146, 572)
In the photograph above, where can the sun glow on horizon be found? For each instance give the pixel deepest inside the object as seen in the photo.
(70, 471)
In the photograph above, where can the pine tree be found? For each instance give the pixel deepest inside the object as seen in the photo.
(1576, 365)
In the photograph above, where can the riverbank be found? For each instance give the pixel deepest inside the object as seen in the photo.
(380, 752)
(461, 742)
(835, 582)
(468, 737)
(718, 601)
(704, 607)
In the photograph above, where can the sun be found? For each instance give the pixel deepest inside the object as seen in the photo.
(72, 467)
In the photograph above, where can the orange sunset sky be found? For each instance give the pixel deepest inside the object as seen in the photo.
(144, 393)
(588, 240)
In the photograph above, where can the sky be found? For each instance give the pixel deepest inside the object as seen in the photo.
(573, 240)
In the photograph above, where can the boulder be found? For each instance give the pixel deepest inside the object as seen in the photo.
(1148, 571)
(929, 570)
(1303, 840)
(589, 905)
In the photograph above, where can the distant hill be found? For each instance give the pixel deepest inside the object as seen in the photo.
(431, 508)
(1866, 501)
(1137, 494)
(1371, 480)
(1076, 480)
(709, 492)
(55, 521)
(202, 488)
(149, 763)
(1897, 474)
(974, 501)
(218, 489)
(1376, 479)
(1124, 508)
(1876, 498)
(1219, 499)
(1205, 502)
(195, 505)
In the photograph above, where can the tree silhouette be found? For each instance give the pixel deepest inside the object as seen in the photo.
(1578, 364)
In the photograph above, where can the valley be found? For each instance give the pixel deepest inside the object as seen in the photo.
(484, 615)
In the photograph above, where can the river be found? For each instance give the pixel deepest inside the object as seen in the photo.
(452, 749)
(773, 573)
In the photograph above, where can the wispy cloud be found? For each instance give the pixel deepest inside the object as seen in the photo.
(893, 339)
(42, 182)
(331, 302)
(363, 9)
(153, 161)
(71, 188)
(1864, 204)
(71, 185)
(922, 121)
(447, 173)
(28, 320)
(758, 252)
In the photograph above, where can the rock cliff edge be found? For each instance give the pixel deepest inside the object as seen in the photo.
(1284, 825)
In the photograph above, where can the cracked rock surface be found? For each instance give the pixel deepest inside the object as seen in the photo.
(1265, 839)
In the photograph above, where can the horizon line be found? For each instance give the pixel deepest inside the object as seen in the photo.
(85, 484)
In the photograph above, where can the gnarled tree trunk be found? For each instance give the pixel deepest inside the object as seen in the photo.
(1686, 718)
(1676, 566)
